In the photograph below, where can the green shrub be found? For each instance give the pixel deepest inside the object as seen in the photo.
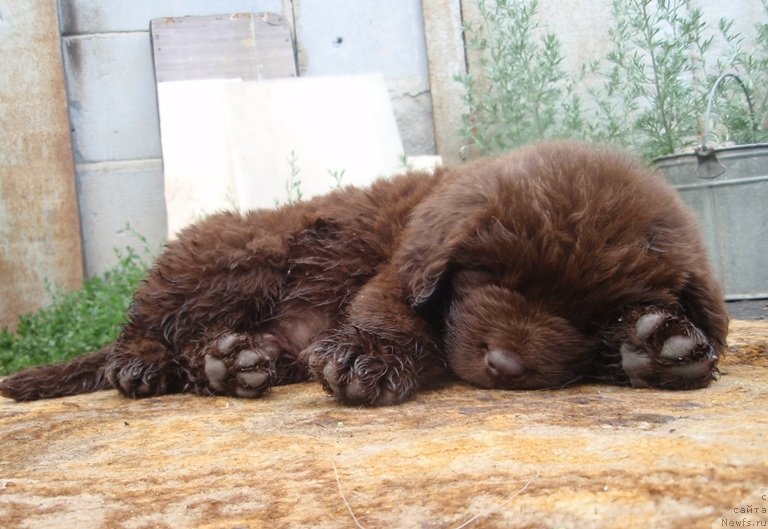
(648, 93)
(656, 73)
(523, 92)
(75, 322)
(749, 59)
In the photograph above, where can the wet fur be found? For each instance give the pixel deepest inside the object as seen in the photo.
(535, 269)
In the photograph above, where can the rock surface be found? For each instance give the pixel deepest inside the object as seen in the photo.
(590, 456)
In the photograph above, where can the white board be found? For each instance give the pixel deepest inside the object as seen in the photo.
(197, 169)
(318, 126)
(254, 144)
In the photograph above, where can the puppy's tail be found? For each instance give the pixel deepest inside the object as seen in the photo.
(84, 374)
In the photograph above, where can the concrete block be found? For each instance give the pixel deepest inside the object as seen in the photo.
(79, 17)
(113, 196)
(338, 37)
(112, 100)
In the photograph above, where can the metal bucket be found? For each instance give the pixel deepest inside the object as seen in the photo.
(728, 190)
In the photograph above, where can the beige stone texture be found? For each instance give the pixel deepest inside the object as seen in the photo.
(39, 224)
(584, 457)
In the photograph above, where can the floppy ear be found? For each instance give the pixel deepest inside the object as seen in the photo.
(436, 232)
(422, 270)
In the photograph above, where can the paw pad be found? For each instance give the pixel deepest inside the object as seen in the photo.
(666, 350)
(236, 364)
(360, 373)
(139, 377)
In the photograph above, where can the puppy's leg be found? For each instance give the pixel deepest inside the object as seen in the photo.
(248, 363)
(382, 352)
(141, 367)
(703, 302)
(225, 272)
(658, 346)
(245, 365)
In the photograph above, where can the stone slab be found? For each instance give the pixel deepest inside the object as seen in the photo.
(588, 456)
(302, 131)
(197, 166)
(39, 225)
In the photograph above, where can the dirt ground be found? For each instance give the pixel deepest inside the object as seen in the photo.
(590, 456)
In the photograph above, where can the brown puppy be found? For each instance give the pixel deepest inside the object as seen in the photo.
(553, 264)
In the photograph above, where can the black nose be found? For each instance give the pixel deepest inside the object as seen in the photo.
(503, 364)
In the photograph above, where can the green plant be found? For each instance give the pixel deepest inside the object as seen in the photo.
(293, 184)
(648, 93)
(749, 60)
(522, 93)
(405, 163)
(75, 322)
(338, 176)
(657, 72)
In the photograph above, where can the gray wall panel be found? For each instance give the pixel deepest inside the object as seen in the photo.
(112, 99)
(80, 17)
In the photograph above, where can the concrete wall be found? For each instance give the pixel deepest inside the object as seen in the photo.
(113, 113)
(113, 106)
(370, 36)
(582, 26)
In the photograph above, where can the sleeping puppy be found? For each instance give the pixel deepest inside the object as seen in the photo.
(553, 264)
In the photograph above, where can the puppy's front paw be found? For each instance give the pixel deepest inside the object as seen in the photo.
(662, 348)
(136, 378)
(361, 368)
(141, 368)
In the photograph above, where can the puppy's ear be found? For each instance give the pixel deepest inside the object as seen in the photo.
(423, 269)
(438, 230)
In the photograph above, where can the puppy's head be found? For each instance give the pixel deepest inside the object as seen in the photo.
(463, 261)
(495, 338)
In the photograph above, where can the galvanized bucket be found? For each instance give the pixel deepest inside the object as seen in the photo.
(728, 189)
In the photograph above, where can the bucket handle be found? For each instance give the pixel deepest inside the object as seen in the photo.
(708, 165)
(711, 99)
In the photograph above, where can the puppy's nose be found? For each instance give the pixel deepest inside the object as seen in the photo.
(503, 364)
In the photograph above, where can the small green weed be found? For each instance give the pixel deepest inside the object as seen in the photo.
(75, 322)
(293, 184)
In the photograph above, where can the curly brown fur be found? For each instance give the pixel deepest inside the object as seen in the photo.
(82, 375)
(552, 264)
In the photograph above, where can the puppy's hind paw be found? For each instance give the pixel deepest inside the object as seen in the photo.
(137, 378)
(240, 365)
